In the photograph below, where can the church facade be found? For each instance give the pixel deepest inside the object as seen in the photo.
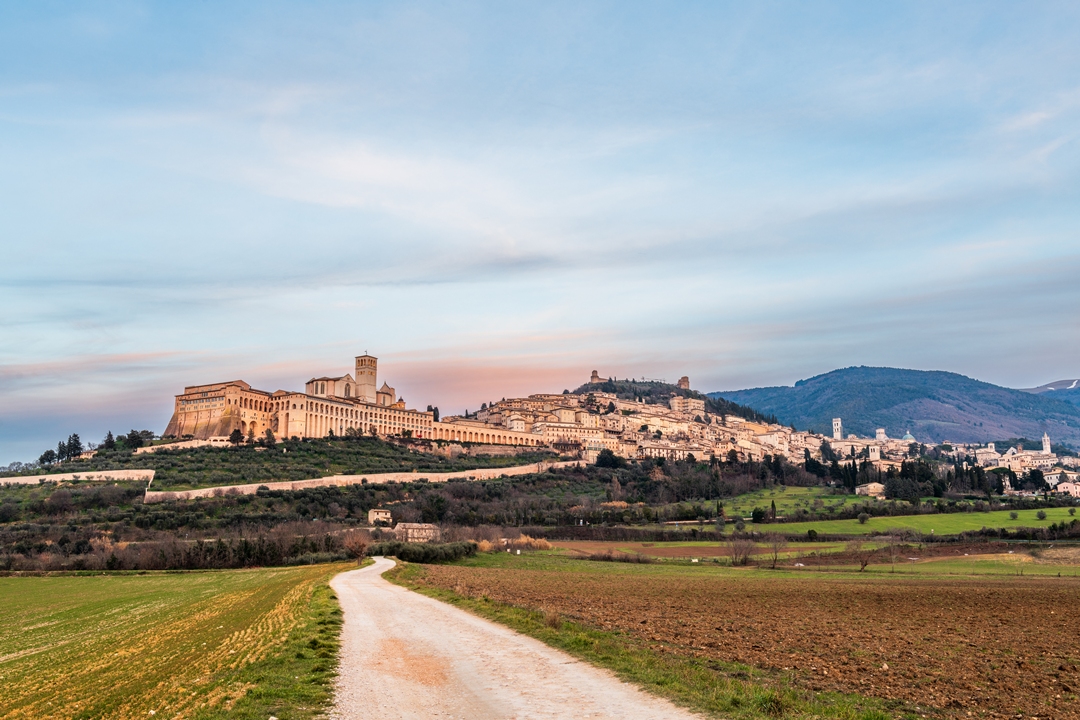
(328, 405)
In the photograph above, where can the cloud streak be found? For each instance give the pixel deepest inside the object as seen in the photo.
(499, 200)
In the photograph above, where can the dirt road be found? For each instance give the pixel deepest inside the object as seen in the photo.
(405, 655)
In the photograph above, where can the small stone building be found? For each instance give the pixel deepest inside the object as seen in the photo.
(378, 515)
(417, 532)
(876, 490)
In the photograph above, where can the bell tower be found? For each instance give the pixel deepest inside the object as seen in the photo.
(1046, 444)
(366, 370)
(837, 429)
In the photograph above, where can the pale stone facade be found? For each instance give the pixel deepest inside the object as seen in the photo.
(417, 532)
(379, 515)
(328, 405)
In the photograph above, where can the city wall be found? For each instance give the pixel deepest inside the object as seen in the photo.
(99, 476)
(156, 496)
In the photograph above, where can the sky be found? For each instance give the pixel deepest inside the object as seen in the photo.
(497, 198)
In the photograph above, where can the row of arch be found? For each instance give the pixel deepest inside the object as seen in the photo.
(465, 435)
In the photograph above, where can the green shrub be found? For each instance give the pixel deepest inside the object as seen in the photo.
(424, 552)
(1041, 514)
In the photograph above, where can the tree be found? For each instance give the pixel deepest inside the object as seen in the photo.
(356, 544)
(133, 440)
(860, 553)
(1041, 514)
(607, 459)
(110, 442)
(863, 517)
(74, 446)
(236, 437)
(251, 435)
(758, 515)
(777, 543)
(61, 451)
(269, 440)
(1035, 480)
(611, 408)
(772, 511)
(740, 549)
(47, 458)
(435, 414)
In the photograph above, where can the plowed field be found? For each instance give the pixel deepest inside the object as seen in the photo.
(958, 646)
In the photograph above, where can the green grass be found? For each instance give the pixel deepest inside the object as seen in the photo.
(787, 499)
(238, 644)
(937, 524)
(718, 689)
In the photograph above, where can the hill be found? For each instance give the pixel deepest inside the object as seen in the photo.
(288, 460)
(933, 405)
(1067, 390)
(658, 393)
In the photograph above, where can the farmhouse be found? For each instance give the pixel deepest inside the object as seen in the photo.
(873, 489)
(378, 515)
(417, 532)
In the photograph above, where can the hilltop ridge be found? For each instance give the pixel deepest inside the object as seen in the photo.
(658, 393)
(1067, 390)
(933, 405)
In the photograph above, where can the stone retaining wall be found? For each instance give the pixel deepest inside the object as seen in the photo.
(156, 496)
(97, 476)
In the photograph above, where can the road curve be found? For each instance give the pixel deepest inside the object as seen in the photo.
(405, 655)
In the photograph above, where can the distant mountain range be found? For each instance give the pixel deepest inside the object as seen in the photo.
(933, 406)
(1067, 390)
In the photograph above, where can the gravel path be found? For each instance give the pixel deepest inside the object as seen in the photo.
(405, 655)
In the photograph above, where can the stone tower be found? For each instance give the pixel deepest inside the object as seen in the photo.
(1046, 444)
(684, 383)
(837, 429)
(366, 370)
(595, 378)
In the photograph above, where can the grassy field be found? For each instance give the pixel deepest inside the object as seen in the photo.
(1030, 560)
(827, 643)
(237, 644)
(788, 500)
(940, 524)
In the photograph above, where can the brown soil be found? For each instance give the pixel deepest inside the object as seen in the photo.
(589, 547)
(989, 646)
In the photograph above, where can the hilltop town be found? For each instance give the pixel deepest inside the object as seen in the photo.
(670, 422)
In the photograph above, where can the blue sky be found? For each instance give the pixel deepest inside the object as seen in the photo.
(497, 198)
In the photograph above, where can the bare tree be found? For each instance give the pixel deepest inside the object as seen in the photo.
(777, 544)
(860, 553)
(356, 544)
(740, 549)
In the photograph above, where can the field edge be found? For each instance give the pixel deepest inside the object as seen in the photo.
(713, 688)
